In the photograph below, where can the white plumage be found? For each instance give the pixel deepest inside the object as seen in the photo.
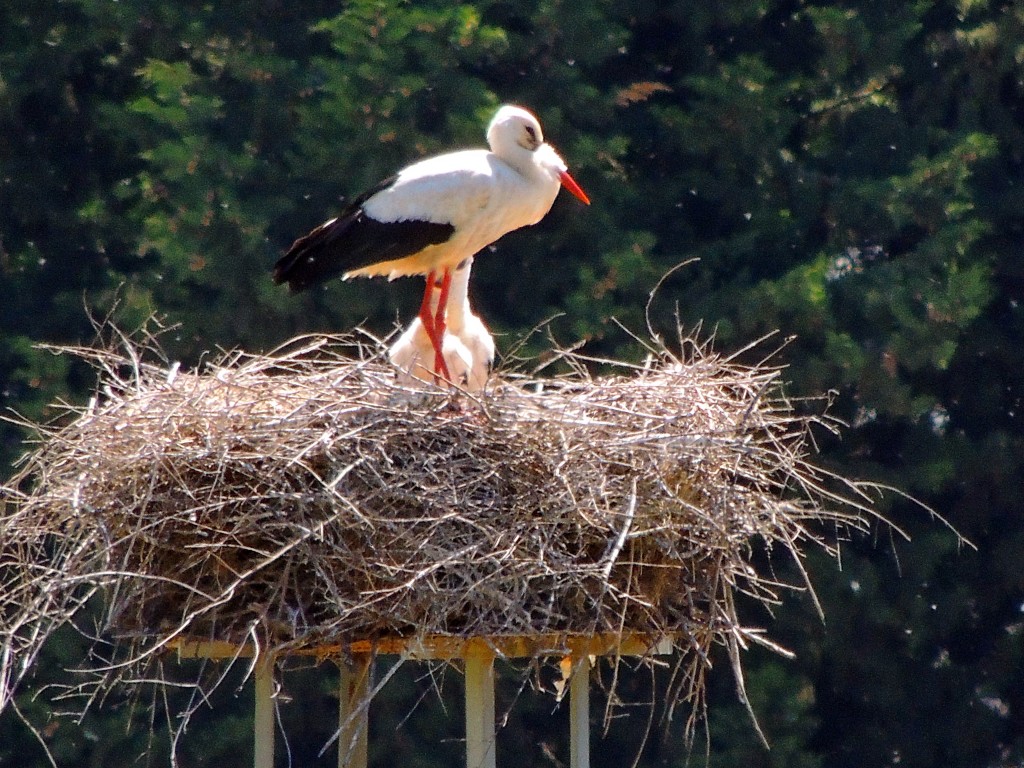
(467, 346)
(470, 330)
(436, 213)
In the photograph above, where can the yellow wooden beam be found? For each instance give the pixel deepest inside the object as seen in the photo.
(449, 647)
(263, 718)
(579, 713)
(353, 712)
(480, 736)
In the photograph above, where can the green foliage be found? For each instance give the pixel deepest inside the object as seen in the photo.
(784, 701)
(849, 173)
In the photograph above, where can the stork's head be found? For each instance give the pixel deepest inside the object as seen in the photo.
(514, 131)
(516, 137)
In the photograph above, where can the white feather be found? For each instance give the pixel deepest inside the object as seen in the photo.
(482, 193)
(413, 355)
(469, 329)
(467, 346)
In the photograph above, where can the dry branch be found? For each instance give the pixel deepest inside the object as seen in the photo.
(304, 499)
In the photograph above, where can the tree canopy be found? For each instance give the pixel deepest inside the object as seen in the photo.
(849, 174)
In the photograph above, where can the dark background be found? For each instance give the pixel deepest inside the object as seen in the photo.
(847, 173)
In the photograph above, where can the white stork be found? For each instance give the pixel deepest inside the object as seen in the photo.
(467, 346)
(434, 214)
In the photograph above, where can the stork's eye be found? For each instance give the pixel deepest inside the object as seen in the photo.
(532, 139)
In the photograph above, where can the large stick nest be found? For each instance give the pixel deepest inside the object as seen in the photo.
(303, 498)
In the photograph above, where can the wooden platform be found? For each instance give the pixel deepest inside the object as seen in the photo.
(356, 660)
(450, 647)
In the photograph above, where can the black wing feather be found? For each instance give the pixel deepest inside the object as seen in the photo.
(352, 241)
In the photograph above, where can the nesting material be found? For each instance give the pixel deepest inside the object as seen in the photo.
(304, 499)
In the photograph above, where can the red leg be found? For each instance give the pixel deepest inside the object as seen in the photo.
(426, 311)
(430, 326)
(426, 317)
(441, 324)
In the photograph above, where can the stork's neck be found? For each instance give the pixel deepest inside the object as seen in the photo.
(458, 296)
(518, 159)
(457, 312)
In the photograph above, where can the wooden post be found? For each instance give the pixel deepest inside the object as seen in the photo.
(479, 654)
(263, 718)
(579, 714)
(353, 712)
(480, 710)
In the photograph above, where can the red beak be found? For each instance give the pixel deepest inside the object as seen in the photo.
(570, 183)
